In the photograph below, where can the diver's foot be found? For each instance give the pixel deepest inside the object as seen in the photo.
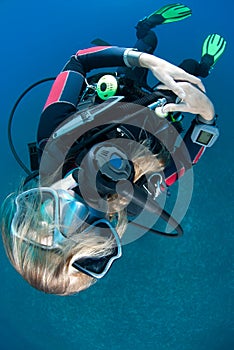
(166, 14)
(212, 49)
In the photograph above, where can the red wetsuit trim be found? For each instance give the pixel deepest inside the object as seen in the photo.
(173, 177)
(92, 50)
(198, 156)
(57, 89)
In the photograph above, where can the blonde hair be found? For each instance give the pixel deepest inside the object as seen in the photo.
(50, 270)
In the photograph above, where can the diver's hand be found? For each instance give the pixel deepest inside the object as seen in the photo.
(195, 102)
(167, 73)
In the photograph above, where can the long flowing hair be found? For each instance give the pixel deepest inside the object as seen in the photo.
(50, 270)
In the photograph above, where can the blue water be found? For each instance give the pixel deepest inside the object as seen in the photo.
(163, 294)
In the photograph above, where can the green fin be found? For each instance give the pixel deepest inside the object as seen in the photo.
(100, 42)
(167, 14)
(212, 49)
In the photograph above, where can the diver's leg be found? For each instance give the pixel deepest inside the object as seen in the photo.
(212, 49)
(193, 67)
(146, 42)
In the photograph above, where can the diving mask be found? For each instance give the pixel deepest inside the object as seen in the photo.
(62, 216)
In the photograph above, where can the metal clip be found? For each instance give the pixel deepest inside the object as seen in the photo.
(154, 188)
(86, 90)
(159, 103)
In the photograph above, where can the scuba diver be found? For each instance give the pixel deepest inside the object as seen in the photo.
(102, 160)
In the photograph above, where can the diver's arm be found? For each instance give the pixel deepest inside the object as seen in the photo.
(184, 157)
(65, 92)
(101, 57)
(61, 103)
(195, 102)
(110, 56)
(168, 74)
(189, 152)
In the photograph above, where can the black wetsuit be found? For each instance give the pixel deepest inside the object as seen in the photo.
(64, 98)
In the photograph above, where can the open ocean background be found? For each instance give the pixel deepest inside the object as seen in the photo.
(163, 294)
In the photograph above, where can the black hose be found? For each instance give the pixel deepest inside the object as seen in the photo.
(139, 198)
(17, 158)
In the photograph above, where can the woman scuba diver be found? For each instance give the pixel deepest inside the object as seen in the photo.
(97, 156)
